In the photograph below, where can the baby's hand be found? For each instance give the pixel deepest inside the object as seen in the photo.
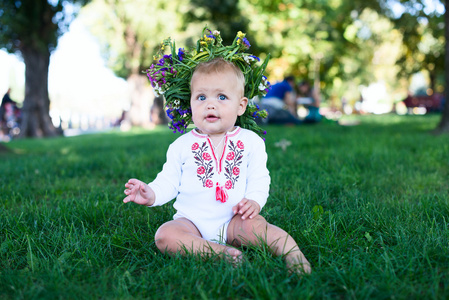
(139, 192)
(247, 208)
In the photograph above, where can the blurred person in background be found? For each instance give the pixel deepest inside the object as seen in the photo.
(310, 99)
(280, 103)
(9, 116)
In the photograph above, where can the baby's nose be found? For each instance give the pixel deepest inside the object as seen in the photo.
(210, 105)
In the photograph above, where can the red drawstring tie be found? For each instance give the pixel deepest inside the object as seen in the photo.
(221, 194)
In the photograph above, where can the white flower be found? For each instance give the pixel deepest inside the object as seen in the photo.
(248, 58)
(176, 103)
(157, 90)
(264, 84)
(216, 32)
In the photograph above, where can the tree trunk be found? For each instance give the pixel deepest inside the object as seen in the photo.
(432, 79)
(443, 126)
(141, 101)
(36, 121)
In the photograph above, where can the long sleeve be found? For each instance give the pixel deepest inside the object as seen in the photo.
(258, 179)
(166, 184)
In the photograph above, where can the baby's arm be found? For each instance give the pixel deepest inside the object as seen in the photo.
(247, 208)
(258, 177)
(139, 192)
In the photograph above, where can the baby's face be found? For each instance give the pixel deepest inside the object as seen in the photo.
(216, 102)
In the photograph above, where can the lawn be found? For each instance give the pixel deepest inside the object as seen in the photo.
(368, 205)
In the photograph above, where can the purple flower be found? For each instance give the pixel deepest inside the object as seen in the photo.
(253, 56)
(181, 54)
(170, 114)
(244, 41)
(168, 57)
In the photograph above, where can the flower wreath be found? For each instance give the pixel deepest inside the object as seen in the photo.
(170, 76)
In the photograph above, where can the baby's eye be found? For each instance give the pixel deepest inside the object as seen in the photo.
(222, 97)
(201, 97)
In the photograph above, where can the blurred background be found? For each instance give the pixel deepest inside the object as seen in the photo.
(364, 56)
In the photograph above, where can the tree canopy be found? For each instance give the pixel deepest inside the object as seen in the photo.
(342, 45)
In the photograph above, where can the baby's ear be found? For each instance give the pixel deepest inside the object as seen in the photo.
(242, 106)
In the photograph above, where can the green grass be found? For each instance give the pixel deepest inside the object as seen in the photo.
(368, 205)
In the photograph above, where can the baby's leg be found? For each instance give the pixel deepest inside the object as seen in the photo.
(251, 231)
(181, 234)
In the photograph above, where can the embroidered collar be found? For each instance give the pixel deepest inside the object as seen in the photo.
(228, 134)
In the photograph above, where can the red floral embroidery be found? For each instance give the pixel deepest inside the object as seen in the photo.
(201, 170)
(230, 156)
(204, 162)
(233, 162)
(236, 171)
(228, 184)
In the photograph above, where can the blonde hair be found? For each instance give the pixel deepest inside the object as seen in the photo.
(218, 65)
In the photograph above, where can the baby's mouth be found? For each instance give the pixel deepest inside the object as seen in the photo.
(211, 118)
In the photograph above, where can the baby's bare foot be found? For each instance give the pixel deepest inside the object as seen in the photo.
(297, 264)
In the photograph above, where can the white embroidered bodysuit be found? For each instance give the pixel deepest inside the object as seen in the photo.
(196, 177)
